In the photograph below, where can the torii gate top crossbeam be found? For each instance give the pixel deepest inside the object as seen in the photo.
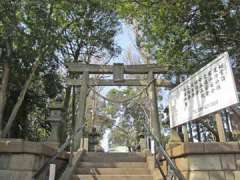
(118, 71)
(108, 69)
(128, 82)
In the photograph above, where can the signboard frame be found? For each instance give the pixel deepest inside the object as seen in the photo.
(183, 109)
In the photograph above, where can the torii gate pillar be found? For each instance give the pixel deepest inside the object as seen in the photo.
(154, 115)
(81, 110)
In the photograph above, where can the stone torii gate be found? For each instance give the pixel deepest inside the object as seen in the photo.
(118, 71)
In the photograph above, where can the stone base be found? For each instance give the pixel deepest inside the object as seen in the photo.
(206, 161)
(54, 145)
(143, 144)
(20, 159)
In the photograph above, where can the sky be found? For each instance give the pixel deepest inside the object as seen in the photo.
(126, 39)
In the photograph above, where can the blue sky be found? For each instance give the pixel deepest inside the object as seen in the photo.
(126, 39)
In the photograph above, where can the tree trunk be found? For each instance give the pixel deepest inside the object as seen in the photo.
(3, 92)
(20, 99)
(198, 132)
(190, 131)
(230, 135)
(209, 128)
(67, 100)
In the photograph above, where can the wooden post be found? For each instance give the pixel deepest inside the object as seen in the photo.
(81, 109)
(154, 117)
(220, 127)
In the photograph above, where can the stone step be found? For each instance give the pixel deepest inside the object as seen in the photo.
(113, 171)
(111, 177)
(107, 154)
(113, 158)
(112, 165)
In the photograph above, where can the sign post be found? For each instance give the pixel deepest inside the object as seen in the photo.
(220, 127)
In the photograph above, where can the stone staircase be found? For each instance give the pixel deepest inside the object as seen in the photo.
(112, 166)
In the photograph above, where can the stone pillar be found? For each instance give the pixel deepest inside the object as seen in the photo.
(174, 139)
(81, 110)
(84, 144)
(56, 120)
(143, 144)
(154, 116)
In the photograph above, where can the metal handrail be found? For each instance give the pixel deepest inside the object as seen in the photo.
(160, 149)
(172, 165)
(59, 151)
(159, 168)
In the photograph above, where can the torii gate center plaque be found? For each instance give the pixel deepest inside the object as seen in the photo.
(210, 89)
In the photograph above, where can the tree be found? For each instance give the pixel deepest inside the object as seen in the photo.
(34, 41)
(26, 41)
(89, 34)
(130, 118)
(90, 30)
(185, 34)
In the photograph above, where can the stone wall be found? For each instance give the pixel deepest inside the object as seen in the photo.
(206, 161)
(20, 159)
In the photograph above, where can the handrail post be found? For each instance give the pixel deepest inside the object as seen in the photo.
(71, 152)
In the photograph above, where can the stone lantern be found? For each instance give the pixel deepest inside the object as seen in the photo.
(56, 119)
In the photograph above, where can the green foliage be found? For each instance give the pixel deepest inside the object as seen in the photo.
(90, 27)
(130, 118)
(54, 32)
(185, 34)
(26, 34)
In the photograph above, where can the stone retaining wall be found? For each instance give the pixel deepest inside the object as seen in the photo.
(20, 159)
(206, 161)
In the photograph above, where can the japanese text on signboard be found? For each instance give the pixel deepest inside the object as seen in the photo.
(210, 89)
